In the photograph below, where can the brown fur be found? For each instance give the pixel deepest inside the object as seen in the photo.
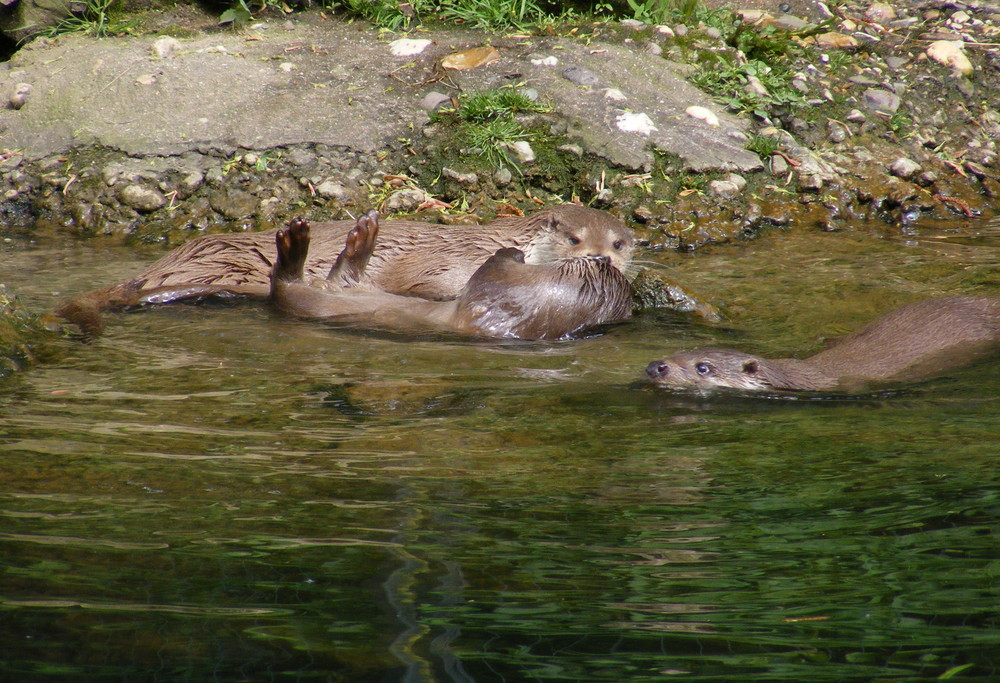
(504, 298)
(413, 259)
(908, 343)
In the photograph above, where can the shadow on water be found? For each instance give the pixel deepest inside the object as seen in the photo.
(218, 493)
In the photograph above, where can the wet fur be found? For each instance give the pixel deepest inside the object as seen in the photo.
(413, 259)
(911, 342)
(504, 298)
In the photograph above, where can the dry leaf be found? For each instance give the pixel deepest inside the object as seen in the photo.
(470, 59)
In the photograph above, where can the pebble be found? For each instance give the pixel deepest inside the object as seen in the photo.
(20, 95)
(407, 199)
(165, 46)
(330, 189)
(904, 168)
(469, 180)
(407, 47)
(729, 186)
(575, 74)
(502, 176)
(703, 114)
(525, 154)
(632, 122)
(881, 100)
(434, 100)
(142, 198)
(950, 53)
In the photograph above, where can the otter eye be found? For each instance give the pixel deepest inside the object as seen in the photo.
(574, 240)
(702, 368)
(618, 245)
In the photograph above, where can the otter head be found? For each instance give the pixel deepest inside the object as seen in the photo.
(709, 368)
(570, 231)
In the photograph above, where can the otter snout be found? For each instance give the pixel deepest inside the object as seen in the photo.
(657, 369)
(600, 257)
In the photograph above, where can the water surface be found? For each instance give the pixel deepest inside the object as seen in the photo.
(219, 493)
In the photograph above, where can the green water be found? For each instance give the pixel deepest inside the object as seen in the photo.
(216, 493)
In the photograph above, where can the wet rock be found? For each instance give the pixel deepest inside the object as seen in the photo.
(904, 168)
(882, 101)
(730, 186)
(190, 183)
(331, 189)
(406, 200)
(142, 198)
(233, 203)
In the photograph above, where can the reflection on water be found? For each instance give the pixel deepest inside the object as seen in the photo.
(216, 493)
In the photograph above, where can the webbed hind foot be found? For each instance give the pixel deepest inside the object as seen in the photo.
(293, 247)
(350, 265)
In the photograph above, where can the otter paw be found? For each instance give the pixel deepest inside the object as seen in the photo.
(293, 247)
(350, 265)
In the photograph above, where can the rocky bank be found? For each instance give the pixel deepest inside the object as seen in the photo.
(696, 132)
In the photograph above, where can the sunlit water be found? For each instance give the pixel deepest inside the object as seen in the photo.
(218, 493)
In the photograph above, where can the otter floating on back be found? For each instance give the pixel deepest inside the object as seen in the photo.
(504, 298)
(414, 259)
(909, 343)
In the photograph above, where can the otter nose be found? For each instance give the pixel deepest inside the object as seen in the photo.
(657, 369)
(600, 257)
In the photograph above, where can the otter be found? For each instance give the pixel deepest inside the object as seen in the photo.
(414, 259)
(506, 297)
(908, 343)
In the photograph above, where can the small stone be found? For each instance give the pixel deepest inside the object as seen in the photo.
(407, 199)
(233, 203)
(469, 180)
(633, 24)
(502, 176)
(570, 148)
(635, 122)
(434, 100)
(856, 116)
(191, 182)
(165, 46)
(575, 74)
(704, 114)
(331, 189)
(779, 165)
(141, 198)
(407, 47)
(904, 168)
(810, 182)
(950, 53)
(523, 150)
(146, 79)
(615, 95)
(20, 95)
(881, 100)
(880, 13)
(837, 133)
(713, 33)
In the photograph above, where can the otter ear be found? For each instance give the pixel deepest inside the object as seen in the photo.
(750, 367)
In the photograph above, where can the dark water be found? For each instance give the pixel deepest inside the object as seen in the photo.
(215, 493)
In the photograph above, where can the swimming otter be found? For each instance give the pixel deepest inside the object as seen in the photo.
(413, 259)
(505, 297)
(908, 343)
